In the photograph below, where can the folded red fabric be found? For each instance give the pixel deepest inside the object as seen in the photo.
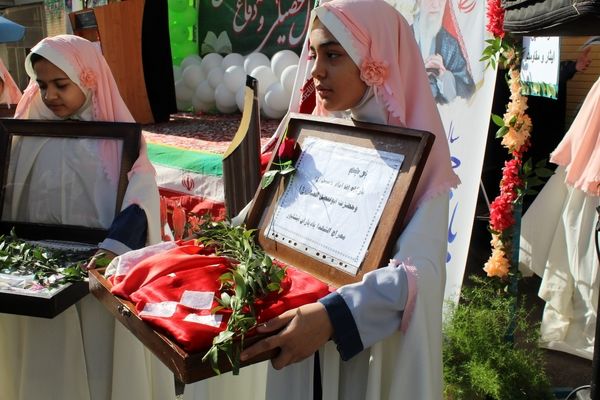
(174, 292)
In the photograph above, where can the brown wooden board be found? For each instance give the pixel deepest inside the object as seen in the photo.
(129, 133)
(187, 367)
(414, 145)
(7, 111)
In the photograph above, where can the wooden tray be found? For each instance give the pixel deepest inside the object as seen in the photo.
(186, 367)
(21, 304)
(126, 133)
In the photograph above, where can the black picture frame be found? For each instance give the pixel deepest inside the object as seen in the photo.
(129, 134)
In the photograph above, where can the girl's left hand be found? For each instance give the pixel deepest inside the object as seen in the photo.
(305, 330)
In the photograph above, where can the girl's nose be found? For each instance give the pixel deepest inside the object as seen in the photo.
(49, 93)
(318, 70)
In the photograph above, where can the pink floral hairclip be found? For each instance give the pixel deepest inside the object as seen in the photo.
(88, 79)
(373, 73)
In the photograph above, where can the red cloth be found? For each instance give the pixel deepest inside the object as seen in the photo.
(165, 277)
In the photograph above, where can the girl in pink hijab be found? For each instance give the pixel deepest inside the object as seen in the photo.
(558, 234)
(387, 329)
(9, 91)
(81, 353)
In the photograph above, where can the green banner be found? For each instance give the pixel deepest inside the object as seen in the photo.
(246, 26)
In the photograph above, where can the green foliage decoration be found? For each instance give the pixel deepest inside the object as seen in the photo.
(253, 275)
(479, 361)
(50, 267)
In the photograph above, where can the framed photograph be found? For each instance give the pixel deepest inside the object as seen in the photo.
(364, 174)
(338, 214)
(62, 184)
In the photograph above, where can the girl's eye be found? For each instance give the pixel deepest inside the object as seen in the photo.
(333, 55)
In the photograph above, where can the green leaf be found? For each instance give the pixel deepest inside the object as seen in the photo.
(501, 132)
(268, 178)
(287, 170)
(544, 172)
(498, 120)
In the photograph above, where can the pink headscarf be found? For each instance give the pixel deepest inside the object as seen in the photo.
(382, 45)
(11, 93)
(82, 61)
(579, 151)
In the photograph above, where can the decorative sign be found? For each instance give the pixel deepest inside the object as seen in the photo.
(253, 25)
(540, 66)
(333, 203)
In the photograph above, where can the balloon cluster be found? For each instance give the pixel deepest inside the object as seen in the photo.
(183, 18)
(218, 83)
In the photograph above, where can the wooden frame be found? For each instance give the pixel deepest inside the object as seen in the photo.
(129, 134)
(413, 144)
(7, 111)
(241, 160)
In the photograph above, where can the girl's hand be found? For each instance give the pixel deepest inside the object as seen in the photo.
(305, 330)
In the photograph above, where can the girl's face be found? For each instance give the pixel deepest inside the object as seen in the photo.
(336, 77)
(59, 93)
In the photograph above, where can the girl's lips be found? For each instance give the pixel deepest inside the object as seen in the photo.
(323, 91)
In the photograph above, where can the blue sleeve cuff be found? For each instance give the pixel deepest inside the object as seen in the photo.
(114, 246)
(345, 331)
(129, 228)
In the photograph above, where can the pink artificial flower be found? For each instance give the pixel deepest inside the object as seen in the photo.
(373, 73)
(497, 265)
(88, 79)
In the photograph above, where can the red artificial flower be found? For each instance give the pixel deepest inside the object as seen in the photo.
(501, 213)
(495, 15)
(287, 150)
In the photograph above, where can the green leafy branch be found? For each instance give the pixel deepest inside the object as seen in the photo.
(51, 268)
(252, 276)
(500, 51)
(283, 168)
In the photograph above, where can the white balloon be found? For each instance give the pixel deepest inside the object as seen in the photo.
(182, 91)
(192, 75)
(225, 97)
(176, 73)
(215, 77)
(287, 78)
(225, 109)
(210, 61)
(277, 98)
(283, 59)
(189, 60)
(234, 77)
(239, 98)
(202, 106)
(205, 93)
(254, 60)
(232, 59)
(270, 113)
(265, 78)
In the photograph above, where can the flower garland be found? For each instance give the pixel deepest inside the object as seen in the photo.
(514, 129)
